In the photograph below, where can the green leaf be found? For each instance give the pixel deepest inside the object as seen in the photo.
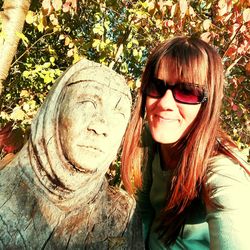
(98, 29)
(26, 74)
(24, 39)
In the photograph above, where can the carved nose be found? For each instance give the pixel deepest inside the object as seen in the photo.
(99, 126)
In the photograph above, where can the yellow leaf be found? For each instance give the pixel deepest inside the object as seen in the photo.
(30, 17)
(183, 7)
(53, 19)
(32, 104)
(246, 15)
(74, 4)
(131, 84)
(47, 7)
(26, 107)
(24, 39)
(191, 11)
(96, 43)
(4, 115)
(46, 4)
(173, 10)
(52, 60)
(67, 41)
(17, 114)
(168, 3)
(57, 4)
(76, 57)
(71, 45)
(135, 52)
(40, 27)
(206, 24)
(24, 93)
(66, 7)
(222, 7)
(26, 74)
(151, 6)
(70, 53)
(47, 78)
(227, 17)
(138, 83)
(129, 45)
(46, 65)
(206, 37)
(61, 37)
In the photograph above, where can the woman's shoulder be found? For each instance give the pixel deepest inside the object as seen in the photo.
(229, 204)
(229, 182)
(225, 168)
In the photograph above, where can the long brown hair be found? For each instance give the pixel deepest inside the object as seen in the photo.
(195, 61)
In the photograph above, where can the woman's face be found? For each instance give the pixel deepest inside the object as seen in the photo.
(92, 122)
(169, 120)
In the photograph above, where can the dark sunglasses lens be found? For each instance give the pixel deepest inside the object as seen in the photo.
(183, 92)
(188, 93)
(156, 88)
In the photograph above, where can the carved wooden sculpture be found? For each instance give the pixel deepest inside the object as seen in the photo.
(54, 194)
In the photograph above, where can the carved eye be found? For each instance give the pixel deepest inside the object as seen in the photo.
(119, 108)
(89, 103)
(120, 112)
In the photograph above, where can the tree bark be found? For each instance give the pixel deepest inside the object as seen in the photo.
(13, 18)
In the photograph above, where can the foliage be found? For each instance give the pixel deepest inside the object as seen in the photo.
(120, 35)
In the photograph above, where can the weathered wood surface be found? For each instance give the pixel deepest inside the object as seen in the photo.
(54, 194)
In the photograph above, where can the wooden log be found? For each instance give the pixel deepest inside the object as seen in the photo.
(54, 194)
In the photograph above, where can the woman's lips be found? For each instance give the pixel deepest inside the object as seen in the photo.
(166, 118)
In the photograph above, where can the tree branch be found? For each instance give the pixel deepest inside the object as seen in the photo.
(28, 49)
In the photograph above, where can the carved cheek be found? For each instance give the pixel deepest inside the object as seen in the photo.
(64, 130)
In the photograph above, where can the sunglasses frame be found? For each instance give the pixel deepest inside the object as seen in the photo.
(203, 97)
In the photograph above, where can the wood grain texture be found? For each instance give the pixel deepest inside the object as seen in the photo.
(48, 203)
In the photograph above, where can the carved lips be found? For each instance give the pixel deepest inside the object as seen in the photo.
(91, 148)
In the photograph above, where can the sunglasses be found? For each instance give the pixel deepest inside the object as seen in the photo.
(183, 92)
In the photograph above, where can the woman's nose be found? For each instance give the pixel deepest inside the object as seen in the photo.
(168, 101)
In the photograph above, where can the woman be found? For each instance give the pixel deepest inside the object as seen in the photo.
(192, 189)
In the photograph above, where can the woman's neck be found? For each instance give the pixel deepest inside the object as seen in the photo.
(169, 155)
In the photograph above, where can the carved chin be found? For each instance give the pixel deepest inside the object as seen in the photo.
(79, 158)
(80, 168)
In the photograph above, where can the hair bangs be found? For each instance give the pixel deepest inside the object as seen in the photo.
(184, 65)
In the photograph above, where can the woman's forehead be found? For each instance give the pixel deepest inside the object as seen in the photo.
(181, 70)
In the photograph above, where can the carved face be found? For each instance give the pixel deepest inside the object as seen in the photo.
(92, 121)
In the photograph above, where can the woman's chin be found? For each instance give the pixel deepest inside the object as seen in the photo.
(165, 138)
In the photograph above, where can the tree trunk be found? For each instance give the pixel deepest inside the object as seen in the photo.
(13, 18)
